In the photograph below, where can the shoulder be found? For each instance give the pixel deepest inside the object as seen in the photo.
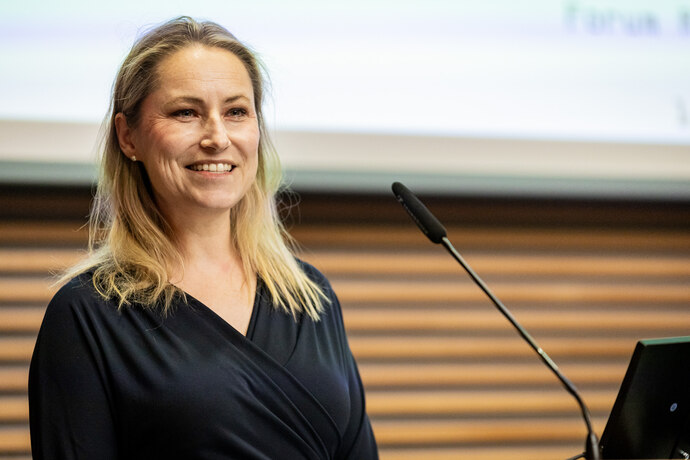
(75, 298)
(317, 277)
(332, 308)
(78, 289)
(321, 281)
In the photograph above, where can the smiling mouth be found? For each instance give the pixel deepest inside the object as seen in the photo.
(212, 167)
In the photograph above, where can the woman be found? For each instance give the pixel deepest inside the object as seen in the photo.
(191, 331)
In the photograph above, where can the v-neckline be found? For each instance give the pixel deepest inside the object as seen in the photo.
(251, 326)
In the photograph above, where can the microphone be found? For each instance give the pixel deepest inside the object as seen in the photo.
(434, 230)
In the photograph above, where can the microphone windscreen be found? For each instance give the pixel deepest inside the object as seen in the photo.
(424, 219)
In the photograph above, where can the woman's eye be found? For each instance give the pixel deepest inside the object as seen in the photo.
(184, 113)
(237, 113)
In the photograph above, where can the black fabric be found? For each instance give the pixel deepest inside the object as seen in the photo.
(131, 384)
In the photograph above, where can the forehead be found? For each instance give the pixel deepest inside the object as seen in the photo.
(201, 65)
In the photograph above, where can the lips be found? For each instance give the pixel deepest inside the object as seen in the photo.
(220, 167)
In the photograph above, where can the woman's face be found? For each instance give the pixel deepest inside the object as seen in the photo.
(198, 133)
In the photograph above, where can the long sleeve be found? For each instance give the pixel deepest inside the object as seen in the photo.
(358, 442)
(69, 412)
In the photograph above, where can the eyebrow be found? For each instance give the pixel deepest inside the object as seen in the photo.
(196, 100)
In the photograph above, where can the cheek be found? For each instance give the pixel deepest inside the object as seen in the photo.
(158, 157)
(160, 140)
(252, 149)
(252, 168)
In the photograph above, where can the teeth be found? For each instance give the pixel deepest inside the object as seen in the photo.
(212, 167)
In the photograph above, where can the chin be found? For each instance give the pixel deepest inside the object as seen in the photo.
(221, 205)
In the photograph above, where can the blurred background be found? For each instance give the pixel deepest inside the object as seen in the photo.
(552, 138)
(576, 97)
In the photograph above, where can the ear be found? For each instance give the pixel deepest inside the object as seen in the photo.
(124, 135)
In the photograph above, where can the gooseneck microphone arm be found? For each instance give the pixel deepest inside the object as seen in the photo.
(435, 231)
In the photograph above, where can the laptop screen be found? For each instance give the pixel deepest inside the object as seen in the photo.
(651, 415)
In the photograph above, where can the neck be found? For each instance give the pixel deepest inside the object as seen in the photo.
(204, 241)
(212, 270)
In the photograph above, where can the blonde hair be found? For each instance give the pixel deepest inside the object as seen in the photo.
(131, 247)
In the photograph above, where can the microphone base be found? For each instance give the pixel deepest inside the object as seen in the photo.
(592, 451)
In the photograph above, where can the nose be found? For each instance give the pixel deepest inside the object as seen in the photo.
(215, 135)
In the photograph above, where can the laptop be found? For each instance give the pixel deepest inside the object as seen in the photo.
(651, 415)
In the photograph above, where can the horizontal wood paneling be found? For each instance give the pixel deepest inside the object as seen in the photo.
(446, 376)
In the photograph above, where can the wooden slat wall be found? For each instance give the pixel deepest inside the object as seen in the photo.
(446, 376)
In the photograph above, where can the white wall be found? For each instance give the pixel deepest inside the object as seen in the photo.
(540, 96)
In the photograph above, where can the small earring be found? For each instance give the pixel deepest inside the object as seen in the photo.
(133, 158)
